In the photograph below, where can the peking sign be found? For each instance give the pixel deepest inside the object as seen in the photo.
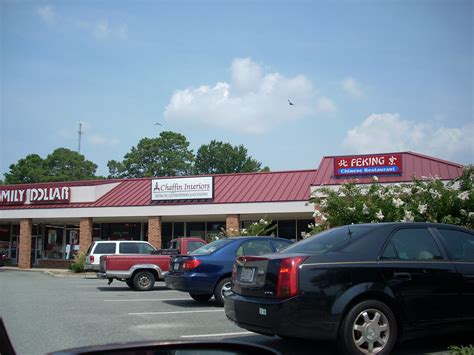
(182, 189)
(36, 195)
(379, 164)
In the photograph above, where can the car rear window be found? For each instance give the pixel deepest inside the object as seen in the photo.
(211, 247)
(329, 241)
(135, 248)
(104, 248)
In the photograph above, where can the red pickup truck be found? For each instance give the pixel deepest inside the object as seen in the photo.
(141, 271)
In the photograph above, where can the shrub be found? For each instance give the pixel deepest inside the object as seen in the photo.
(423, 200)
(78, 264)
(461, 350)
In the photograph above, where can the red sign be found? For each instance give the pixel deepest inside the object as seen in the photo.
(36, 195)
(381, 164)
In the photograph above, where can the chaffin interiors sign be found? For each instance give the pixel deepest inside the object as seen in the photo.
(368, 165)
(35, 195)
(182, 189)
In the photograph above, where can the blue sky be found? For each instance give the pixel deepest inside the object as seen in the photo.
(365, 77)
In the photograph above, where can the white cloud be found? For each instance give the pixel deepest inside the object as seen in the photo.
(46, 13)
(253, 102)
(387, 132)
(102, 30)
(353, 88)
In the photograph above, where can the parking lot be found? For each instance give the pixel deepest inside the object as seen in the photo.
(44, 313)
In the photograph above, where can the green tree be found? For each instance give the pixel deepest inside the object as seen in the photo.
(167, 155)
(30, 169)
(220, 158)
(67, 165)
(428, 200)
(61, 165)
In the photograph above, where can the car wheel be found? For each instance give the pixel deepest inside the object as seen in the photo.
(144, 281)
(222, 289)
(369, 327)
(200, 298)
(130, 284)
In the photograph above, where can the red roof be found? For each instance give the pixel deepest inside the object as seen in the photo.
(228, 188)
(414, 165)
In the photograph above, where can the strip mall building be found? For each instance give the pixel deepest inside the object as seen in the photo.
(41, 224)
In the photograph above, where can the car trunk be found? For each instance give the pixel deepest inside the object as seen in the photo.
(268, 277)
(177, 263)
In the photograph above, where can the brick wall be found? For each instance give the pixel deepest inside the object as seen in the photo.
(232, 224)
(24, 253)
(54, 264)
(154, 231)
(85, 234)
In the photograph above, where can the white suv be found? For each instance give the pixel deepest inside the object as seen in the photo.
(109, 247)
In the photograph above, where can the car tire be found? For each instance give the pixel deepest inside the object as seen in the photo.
(130, 284)
(369, 327)
(200, 298)
(144, 281)
(221, 289)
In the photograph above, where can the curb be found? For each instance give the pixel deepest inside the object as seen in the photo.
(60, 273)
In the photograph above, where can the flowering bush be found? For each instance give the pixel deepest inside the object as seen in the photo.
(423, 200)
(263, 227)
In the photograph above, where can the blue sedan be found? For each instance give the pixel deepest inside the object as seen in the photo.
(207, 271)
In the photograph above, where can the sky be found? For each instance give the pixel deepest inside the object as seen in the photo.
(364, 77)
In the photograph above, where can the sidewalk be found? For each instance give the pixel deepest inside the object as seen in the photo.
(55, 272)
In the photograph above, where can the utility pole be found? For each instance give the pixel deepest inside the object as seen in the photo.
(80, 133)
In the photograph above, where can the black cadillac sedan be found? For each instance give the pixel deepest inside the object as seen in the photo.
(365, 286)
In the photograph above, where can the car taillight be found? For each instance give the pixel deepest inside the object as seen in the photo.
(91, 258)
(287, 284)
(191, 264)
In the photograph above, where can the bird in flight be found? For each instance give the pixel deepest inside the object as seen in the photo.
(158, 123)
(290, 103)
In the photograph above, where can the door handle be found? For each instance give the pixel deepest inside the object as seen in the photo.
(402, 275)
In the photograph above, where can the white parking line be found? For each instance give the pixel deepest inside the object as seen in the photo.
(175, 312)
(215, 335)
(150, 299)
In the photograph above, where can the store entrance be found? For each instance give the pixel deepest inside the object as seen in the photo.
(36, 249)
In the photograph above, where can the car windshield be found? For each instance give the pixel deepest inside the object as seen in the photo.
(329, 241)
(211, 247)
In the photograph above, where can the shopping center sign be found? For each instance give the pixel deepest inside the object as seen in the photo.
(37, 195)
(182, 189)
(368, 165)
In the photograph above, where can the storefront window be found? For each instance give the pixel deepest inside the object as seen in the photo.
(53, 241)
(214, 229)
(302, 226)
(287, 229)
(166, 234)
(4, 239)
(196, 229)
(121, 231)
(178, 229)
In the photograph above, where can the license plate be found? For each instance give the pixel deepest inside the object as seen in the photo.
(247, 273)
(176, 266)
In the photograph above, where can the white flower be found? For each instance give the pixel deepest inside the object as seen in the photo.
(375, 178)
(351, 209)
(379, 215)
(397, 202)
(365, 209)
(342, 194)
(408, 216)
(262, 221)
(317, 213)
(311, 226)
(435, 193)
(463, 196)
(323, 218)
(463, 212)
(244, 231)
(471, 215)
(324, 203)
(406, 190)
(422, 208)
